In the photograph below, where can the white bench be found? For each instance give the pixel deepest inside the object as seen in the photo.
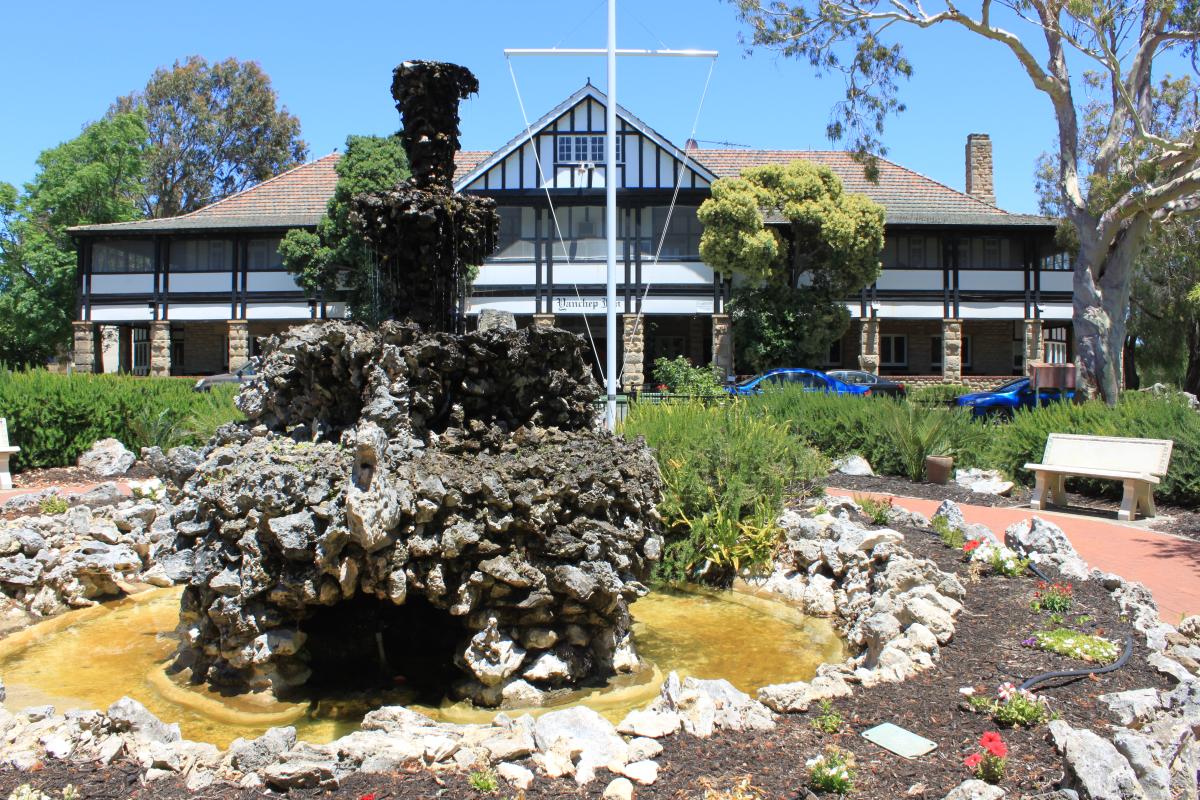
(1138, 463)
(5, 452)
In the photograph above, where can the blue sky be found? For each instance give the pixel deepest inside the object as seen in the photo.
(331, 65)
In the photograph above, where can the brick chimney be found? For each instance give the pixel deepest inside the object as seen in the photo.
(979, 168)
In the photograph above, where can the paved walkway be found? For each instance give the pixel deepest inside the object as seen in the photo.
(1168, 565)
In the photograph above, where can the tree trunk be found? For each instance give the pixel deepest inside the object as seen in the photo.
(1099, 327)
(1191, 377)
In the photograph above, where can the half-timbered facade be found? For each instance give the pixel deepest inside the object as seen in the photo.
(968, 291)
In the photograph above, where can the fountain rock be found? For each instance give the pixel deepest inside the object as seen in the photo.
(460, 473)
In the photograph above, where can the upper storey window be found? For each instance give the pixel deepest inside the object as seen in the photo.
(201, 255)
(131, 255)
(586, 149)
(263, 255)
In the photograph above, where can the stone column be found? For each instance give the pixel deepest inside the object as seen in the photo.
(868, 345)
(543, 320)
(160, 349)
(722, 345)
(84, 356)
(239, 343)
(633, 338)
(1033, 342)
(952, 351)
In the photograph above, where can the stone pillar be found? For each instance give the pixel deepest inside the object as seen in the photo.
(160, 349)
(543, 320)
(633, 338)
(239, 343)
(84, 356)
(868, 345)
(1033, 342)
(952, 350)
(722, 346)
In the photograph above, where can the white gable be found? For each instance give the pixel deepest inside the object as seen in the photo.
(569, 146)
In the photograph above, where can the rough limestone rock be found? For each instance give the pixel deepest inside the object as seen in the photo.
(453, 490)
(584, 737)
(853, 465)
(983, 481)
(949, 511)
(975, 789)
(496, 319)
(107, 458)
(1044, 542)
(1095, 767)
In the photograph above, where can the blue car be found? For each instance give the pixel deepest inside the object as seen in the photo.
(1006, 399)
(810, 379)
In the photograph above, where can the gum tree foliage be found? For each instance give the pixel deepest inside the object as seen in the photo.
(93, 178)
(370, 164)
(799, 273)
(1122, 39)
(215, 129)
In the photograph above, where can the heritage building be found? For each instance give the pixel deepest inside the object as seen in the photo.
(968, 291)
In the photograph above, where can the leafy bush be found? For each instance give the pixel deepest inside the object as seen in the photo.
(832, 771)
(878, 511)
(1014, 707)
(951, 535)
(939, 394)
(829, 720)
(54, 418)
(680, 377)
(915, 433)
(727, 471)
(1073, 644)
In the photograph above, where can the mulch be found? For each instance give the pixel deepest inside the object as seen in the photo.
(35, 479)
(985, 652)
(1171, 519)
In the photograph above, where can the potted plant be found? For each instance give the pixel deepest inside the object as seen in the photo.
(939, 468)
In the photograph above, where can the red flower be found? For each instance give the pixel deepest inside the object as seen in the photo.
(370, 796)
(971, 545)
(973, 761)
(992, 742)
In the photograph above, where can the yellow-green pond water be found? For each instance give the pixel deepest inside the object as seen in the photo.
(91, 657)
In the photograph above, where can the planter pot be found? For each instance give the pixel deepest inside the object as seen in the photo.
(938, 469)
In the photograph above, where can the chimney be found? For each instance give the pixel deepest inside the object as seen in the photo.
(979, 168)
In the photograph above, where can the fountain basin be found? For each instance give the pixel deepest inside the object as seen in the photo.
(91, 657)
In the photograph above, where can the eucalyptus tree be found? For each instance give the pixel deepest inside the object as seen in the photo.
(1122, 40)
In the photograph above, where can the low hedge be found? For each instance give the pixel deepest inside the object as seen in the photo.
(54, 417)
(727, 470)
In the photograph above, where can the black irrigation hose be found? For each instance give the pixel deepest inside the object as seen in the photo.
(1079, 673)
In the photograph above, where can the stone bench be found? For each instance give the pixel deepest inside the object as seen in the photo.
(6, 452)
(1138, 463)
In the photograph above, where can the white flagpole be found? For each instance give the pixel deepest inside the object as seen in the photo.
(610, 191)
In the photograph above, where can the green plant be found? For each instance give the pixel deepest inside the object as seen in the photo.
(1006, 562)
(917, 433)
(52, 505)
(1057, 619)
(876, 510)
(726, 472)
(1013, 707)
(484, 781)
(832, 771)
(950, 535)
(939, 394)
(1057, 597)
(828, 720)
(161, 428)
(989, 764)
(1072, 643)
(680, 377)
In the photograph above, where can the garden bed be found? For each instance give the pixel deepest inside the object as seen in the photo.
(986, 651)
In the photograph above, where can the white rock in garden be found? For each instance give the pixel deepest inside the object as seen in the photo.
(107, 458)
(644, 772)
(642, 749)
(975, 789)
(1131, 706)
(580, 730)
(649, 723)
(950, 512)
(128, 714)
(249, 755)
(517, 776)
(853, 465)
(983, 481)
(1095, 768)
(798, 696)
(1148, 759)
(618, 789)
(1190, 627)
(492, 655)
(1036, 535)
(704, 705)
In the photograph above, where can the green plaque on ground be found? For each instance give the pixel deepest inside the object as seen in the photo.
(899, 741)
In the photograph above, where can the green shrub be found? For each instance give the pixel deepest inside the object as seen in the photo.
(727, 470)
(680, 377)
(950, 535)
(828, 720)
(54, 418)
(1073, 644)
(832, 771)
(915, 433)
(939, 394)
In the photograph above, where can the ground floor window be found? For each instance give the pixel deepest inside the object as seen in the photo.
(1055, 343)
(140, 350)
(833, 356)
(893, 351)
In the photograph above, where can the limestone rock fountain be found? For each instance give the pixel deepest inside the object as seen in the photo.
(409, 504)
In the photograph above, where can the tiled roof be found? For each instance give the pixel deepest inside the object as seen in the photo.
(297, 198)
(908, 196)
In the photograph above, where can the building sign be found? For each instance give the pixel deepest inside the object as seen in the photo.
(574, 304)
